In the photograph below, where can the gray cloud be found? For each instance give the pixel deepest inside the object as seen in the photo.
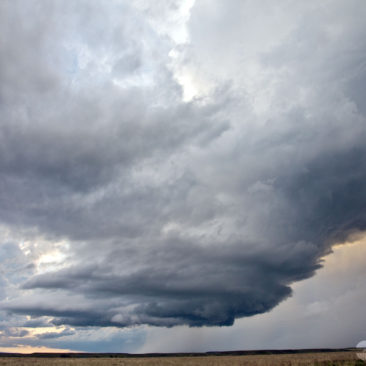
(53, 335)
(178, 213)
(329, 309)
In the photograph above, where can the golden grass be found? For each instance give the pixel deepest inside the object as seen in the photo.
(303, 359)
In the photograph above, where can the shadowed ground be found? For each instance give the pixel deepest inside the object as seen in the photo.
(316, 358)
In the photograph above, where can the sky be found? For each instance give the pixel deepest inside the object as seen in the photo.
(182, 175)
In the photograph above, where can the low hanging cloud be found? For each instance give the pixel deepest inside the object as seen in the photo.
(169, 212)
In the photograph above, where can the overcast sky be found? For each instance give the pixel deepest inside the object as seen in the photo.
(182, 175)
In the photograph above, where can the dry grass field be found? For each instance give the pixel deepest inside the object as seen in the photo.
(332, 358)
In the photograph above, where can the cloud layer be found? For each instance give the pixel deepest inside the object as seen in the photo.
(153, 178)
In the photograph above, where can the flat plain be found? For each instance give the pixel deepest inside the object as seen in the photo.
(303, 359)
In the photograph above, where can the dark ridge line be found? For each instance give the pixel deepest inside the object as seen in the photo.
(181, 354)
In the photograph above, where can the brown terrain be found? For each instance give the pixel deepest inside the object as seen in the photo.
(263, 358)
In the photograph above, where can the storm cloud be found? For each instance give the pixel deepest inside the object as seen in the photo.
(150, 180)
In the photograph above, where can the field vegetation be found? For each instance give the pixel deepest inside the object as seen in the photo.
(304, 359)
